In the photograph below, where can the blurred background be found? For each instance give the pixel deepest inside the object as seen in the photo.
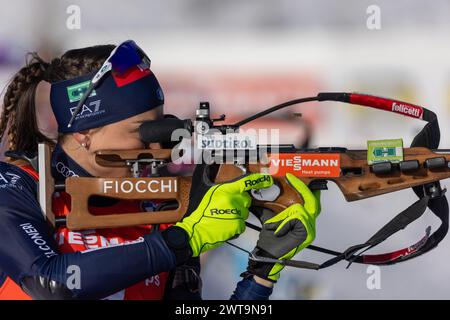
(245, 56)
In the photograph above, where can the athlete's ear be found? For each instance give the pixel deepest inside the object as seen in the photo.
(82, 138)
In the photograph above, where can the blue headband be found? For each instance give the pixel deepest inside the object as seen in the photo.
(116, 98)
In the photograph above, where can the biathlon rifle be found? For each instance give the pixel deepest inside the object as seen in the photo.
(419, 167)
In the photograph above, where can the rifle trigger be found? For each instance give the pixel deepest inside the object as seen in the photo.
(319, 184)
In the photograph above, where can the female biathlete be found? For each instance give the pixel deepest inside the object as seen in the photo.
(143, 262)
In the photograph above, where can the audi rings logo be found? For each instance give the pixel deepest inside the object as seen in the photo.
(64, 170)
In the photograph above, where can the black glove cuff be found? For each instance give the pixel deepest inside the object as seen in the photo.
(257, 268)
(178, 242)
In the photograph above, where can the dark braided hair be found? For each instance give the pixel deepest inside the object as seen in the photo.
(19, 112)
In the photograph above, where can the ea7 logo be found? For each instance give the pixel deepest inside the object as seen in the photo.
(88, 111)
(9, 179)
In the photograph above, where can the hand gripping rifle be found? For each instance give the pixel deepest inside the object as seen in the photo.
(421, 168)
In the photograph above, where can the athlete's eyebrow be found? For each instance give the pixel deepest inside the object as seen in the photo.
(135, 129)
(136, 126)
(142, 121)
(139, 122)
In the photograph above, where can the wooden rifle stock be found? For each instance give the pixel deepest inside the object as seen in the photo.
(356, 179)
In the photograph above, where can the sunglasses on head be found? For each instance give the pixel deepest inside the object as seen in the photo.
(125, 56)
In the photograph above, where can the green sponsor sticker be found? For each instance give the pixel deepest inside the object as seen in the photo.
(384, 150)
(76, 91)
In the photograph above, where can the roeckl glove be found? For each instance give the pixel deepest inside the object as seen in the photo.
(285, 234)
(217, 212)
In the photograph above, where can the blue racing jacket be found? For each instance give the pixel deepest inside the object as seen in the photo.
(31, 259)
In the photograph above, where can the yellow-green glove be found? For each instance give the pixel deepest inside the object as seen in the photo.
(218, 212)
(286, 233)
